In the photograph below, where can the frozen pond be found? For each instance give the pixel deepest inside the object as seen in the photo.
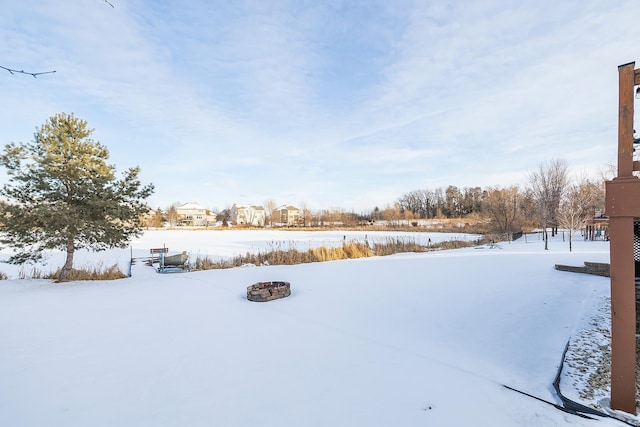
(221, 244)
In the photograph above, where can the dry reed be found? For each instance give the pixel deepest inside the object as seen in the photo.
(97, 272)
(278, 255)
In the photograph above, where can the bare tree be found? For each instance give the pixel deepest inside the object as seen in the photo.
(413, 201)
(453, 202)
(548, 183)
(439, 203)
(392, 214)
(608, 171)
(172, 214)
(472, 200)
(575, 207)
(596, 191)
(502, 205)
(582, 200)
(270, 206)
(306, 213)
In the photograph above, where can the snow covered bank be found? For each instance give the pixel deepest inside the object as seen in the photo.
(404, 340)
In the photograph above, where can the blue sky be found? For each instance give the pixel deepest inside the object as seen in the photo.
(330, 104)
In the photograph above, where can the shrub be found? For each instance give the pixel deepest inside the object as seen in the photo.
(97, 272)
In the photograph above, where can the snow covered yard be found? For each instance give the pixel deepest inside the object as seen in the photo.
(404, 340)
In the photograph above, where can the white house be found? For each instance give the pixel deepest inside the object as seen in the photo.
(192, 214)
(289, 215)
(250, 215)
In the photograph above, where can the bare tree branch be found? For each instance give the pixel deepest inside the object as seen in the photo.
(12, 71)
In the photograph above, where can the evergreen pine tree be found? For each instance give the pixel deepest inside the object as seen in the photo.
(62, 194)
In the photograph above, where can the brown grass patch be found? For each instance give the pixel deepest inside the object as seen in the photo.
(278, 255)
(97, 272)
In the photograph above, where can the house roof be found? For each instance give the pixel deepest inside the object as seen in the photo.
(255, 207)
(289, 208)
(192, 206)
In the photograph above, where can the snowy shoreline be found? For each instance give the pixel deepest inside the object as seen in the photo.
(384, 341)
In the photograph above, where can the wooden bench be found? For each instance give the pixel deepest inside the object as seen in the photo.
(155, 253)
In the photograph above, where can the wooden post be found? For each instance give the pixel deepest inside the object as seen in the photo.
(622, 207)
(626, 74)
(623, 316)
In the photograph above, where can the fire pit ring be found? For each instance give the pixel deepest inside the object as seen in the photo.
(268, 291)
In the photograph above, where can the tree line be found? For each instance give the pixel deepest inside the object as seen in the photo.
(551, 199)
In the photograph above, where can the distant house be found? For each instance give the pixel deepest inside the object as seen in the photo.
(192, 214)
(289, 215)
(250, 215)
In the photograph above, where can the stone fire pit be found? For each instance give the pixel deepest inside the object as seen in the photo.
(268, 291)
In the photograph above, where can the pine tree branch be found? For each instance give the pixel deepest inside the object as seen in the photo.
(12, 71)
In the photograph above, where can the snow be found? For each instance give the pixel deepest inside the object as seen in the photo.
(404, 340)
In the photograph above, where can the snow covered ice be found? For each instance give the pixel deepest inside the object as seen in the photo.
(404, 340)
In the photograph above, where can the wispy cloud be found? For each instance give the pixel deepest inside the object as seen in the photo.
(334, 103)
